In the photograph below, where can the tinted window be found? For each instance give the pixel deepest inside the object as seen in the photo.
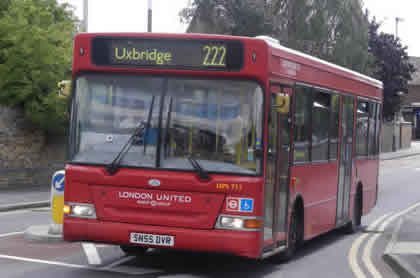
(320, 125)
(378, 128)
(372, 129)
(303, 113)
(362, 128)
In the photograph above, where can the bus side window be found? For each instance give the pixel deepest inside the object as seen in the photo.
(362, 126)
(302, 119)
(320, 125)
(372, 129)
(378, 128)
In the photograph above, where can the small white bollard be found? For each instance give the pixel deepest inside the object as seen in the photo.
(57, 202)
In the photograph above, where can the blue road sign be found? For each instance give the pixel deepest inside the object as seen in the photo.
(58, 181)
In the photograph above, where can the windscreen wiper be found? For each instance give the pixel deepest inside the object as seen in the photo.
(149, 119)
(137, 137)
(202, 173)
(168, 125)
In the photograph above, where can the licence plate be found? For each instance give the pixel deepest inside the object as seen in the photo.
(151, 239)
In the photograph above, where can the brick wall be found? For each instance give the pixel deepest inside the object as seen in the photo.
(413, 95)
(27, 156)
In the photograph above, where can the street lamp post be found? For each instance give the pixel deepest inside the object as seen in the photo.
(85, 15)
(149, 16)
(397, 20)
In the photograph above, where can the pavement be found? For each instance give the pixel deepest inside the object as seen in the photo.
(24, 198)
(403, 250)
(413, 150)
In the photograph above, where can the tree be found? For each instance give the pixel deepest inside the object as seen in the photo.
(334, 30)
(35, 54)
(391, 65)
(234, 17)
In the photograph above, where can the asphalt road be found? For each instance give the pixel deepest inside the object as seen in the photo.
(331, 255)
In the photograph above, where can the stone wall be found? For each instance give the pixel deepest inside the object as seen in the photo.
(27, 156)
(387, 137)
(406, 135)
(396, 136)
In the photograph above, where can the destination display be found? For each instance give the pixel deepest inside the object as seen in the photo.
(168, 53)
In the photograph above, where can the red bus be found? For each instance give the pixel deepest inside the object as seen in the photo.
(216, 143)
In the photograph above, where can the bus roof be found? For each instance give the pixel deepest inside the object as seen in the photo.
(275, 44)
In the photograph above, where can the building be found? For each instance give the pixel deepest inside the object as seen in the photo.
(411, 102)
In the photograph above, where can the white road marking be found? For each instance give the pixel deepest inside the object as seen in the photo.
(118, 262)
(393, 217)
(11, 234)
(91, 253)
(357, 271)
(42, 261)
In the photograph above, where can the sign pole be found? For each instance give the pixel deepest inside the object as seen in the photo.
(85, 15)
(149, 16)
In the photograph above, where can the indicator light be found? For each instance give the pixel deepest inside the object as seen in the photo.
(252, 224)
(66, 209)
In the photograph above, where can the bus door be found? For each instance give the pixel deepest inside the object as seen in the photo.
(276, 191)
(346, 161)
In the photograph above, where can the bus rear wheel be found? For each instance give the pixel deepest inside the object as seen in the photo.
(356, 220)
(132, 250)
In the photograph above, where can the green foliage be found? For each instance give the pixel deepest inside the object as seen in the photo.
(35, 54)
(234, 17)
(391, 66)
(333, 30)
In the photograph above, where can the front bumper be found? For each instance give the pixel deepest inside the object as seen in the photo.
(246, 244)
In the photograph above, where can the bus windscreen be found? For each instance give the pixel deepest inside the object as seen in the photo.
(189, 54)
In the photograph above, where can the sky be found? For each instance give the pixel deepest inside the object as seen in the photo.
(131, 16)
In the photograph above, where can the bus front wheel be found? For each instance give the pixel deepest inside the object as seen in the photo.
(294, 238)
(356, 220)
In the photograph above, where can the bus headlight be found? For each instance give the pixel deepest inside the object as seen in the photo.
(241, 223)
(231, 222)
(80, 210)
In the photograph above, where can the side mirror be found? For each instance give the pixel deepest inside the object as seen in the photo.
(259, 153)
(64, 88)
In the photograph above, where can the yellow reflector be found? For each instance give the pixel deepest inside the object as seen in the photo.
(57, 209)
(66, 209)
(252, 223)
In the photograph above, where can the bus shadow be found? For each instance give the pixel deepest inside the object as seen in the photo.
(220, 265)
(204, 264)
(322, 241)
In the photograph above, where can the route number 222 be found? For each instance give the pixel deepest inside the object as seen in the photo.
(214, 56)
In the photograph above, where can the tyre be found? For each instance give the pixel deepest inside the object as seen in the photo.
(133, 250)
(356, 220)
(294, 238)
